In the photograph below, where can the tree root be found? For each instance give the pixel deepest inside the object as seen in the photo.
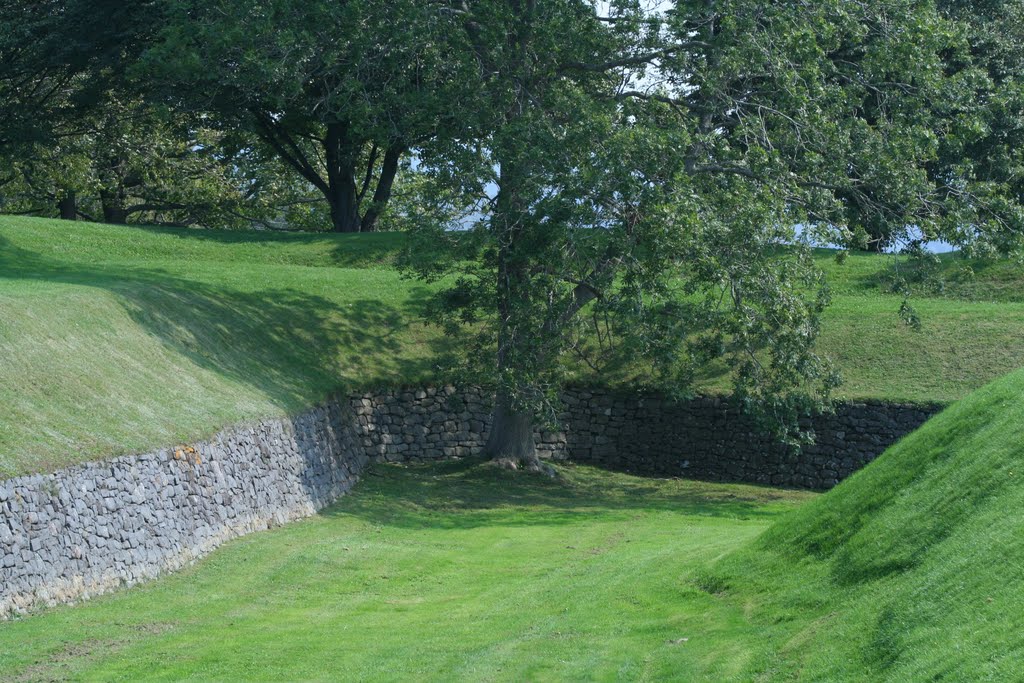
(535, 465)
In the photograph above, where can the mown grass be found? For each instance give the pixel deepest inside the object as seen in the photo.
(911, 570)
(114, 340)
(453, 571)
(90, 243)
(119, 339)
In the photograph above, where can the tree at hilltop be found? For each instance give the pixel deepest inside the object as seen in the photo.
(77, 137)
(339, 91)
(130, 162)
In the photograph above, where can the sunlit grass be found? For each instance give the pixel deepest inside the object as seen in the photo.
(118, 339)
(911, 570)
(453, 571)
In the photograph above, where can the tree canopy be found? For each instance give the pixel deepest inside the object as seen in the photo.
(600, 183)
(339, 91)
(652, 170)
(76, 134)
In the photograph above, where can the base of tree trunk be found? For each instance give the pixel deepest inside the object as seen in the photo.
(510, 444)
(535, 465)
(68, 207)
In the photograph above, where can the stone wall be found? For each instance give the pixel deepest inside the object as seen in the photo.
(711, 439)
(705, 438)
(87, 529)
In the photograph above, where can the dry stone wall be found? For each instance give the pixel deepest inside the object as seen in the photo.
(85, 530)
(704, 438)
(711, 439)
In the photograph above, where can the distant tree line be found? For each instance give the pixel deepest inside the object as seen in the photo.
(235, 112)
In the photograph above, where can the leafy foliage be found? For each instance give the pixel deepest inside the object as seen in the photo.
(983, 157)
(648, 168)
(131, 162)
(621, 178)
(337, 91)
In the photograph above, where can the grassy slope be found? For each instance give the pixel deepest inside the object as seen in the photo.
(949, 276)
(445, 572)
(911, 570)
(116, 339)
(113, 340)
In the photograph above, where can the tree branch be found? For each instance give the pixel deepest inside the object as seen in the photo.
(693, 169)
(636, 94)
(270, 133)
(369, 172)
(382, 193)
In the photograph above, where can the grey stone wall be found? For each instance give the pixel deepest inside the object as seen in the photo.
(87, 529)
(423, 424)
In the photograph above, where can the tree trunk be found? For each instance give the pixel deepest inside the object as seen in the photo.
(511, 442)
(382, 193)
(344, 207)
(68, 206)
(341, 179)
(113, 208)
(511, 439)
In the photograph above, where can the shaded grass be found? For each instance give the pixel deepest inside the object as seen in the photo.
(944, 276)
(119, 339)
(450, 571)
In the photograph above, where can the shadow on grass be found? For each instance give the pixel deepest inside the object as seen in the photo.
(471, 493)
(288, 344)
(949, 276)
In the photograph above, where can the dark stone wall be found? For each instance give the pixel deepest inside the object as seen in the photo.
(704, 438)
(88, 529)
(711, 439)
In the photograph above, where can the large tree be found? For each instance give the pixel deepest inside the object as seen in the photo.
(650, 170)
(984, 154)
(973, 116)
(340, 91)
(129, 162)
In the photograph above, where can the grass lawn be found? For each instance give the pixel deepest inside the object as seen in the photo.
(453, 571)
(911, 570)
(116, 340)
(119, 339)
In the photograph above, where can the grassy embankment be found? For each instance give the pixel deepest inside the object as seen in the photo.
(911, 570)
(116, 340)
